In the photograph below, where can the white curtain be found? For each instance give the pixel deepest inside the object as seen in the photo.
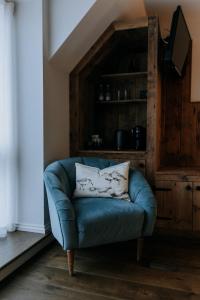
(8, 124)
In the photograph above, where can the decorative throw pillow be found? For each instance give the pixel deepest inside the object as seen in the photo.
(108, 182)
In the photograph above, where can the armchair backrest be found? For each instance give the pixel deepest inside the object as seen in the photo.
(68, 166)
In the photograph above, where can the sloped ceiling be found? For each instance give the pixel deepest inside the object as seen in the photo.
(191, 9)
(91, 26)
(64, 17)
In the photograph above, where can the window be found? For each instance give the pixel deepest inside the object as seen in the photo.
(8, 118)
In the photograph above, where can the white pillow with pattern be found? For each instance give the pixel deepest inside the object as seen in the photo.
(108, 182)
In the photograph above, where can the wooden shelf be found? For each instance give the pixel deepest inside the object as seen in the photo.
(111, 151)
(116, 75)
(123, 101)
(179, 170)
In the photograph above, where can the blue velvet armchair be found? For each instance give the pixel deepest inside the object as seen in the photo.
(86, 222)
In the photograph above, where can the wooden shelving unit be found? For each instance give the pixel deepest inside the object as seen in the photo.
(125, 75)
(125, 59)
(139, 153)
(122, 101)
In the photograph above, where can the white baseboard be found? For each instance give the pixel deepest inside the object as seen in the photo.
(43, 229)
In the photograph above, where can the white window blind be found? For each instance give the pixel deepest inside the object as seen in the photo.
(8, 121)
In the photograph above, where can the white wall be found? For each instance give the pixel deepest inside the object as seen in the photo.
(56, 115)
(56, 135)
(43, 84)
(43, 112)
(191, 9)
(64, 16)
(30, 103)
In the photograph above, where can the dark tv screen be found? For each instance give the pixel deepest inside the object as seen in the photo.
(179, 42)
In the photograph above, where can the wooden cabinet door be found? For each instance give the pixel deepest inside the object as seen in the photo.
(196, 206)
(182, 195)
(174, 202)
(165, 203)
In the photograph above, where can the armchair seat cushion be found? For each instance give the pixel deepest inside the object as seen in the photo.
(106, 220)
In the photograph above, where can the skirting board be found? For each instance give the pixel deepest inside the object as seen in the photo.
(25, 256)
(44, 229)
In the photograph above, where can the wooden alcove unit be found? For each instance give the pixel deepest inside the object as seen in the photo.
(130, 54)
(108, 62)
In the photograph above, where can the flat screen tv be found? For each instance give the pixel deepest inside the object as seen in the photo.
(178, 43)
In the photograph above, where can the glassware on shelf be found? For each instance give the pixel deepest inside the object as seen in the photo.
(123, 92)
(118, 95)
(108, 93)
(95, 142)
(117, 91)
(132, 87)
(101, 93)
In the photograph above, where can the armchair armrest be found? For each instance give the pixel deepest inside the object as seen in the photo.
(61, 210)
(141, 194)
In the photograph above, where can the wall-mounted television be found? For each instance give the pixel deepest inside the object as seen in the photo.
(178, 43)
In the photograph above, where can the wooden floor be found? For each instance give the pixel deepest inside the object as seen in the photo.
(170, 270)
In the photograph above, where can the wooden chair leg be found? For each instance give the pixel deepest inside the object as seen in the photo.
(70, 261)
(140, 243)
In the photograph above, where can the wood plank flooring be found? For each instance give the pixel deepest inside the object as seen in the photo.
(170, 270)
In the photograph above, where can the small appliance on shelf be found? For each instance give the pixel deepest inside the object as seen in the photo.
(121, 139)
(138, 138)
